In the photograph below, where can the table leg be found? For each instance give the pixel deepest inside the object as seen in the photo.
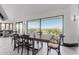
(38, 44)
(22, 46)
(18, 47)
(27, 47)
(33, 52)
(41, 44)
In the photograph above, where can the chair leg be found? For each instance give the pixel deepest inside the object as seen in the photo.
(48, 50)
(18, 47)
(59, 53)
(33, 51)
(22, 50)
(28, 50)
(14, 45)
(28, 47)
(14, 49)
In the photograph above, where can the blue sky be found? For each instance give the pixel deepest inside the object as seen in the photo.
(47, 23)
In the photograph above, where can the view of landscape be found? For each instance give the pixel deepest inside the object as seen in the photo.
(51, 26)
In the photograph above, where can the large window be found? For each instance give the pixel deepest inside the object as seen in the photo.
(34, 26)
(6, 26)
(51, 25)
(2, 26)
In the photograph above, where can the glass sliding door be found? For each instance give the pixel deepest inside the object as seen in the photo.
(51, 25)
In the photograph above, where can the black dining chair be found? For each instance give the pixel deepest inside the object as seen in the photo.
(16, 39)
(26, 44)
(56, 45)
(12, 36)
(20, 41)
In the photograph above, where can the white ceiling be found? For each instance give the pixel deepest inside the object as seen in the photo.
(15, 11)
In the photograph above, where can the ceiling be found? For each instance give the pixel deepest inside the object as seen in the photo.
(3, 15)
(15, 11)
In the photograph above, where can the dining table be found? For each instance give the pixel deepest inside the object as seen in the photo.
(33, 39)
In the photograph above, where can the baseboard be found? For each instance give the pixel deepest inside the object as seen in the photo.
(70, 45)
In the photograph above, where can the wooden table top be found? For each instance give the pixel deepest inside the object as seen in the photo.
(35, 39)
(39, 39)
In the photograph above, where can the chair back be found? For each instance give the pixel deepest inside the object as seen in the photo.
(16, 36)
(24, 36)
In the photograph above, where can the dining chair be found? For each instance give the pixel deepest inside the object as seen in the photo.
(19, 41)
(16, 39)
(26, 43)
(12, 36)
(55, 45)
